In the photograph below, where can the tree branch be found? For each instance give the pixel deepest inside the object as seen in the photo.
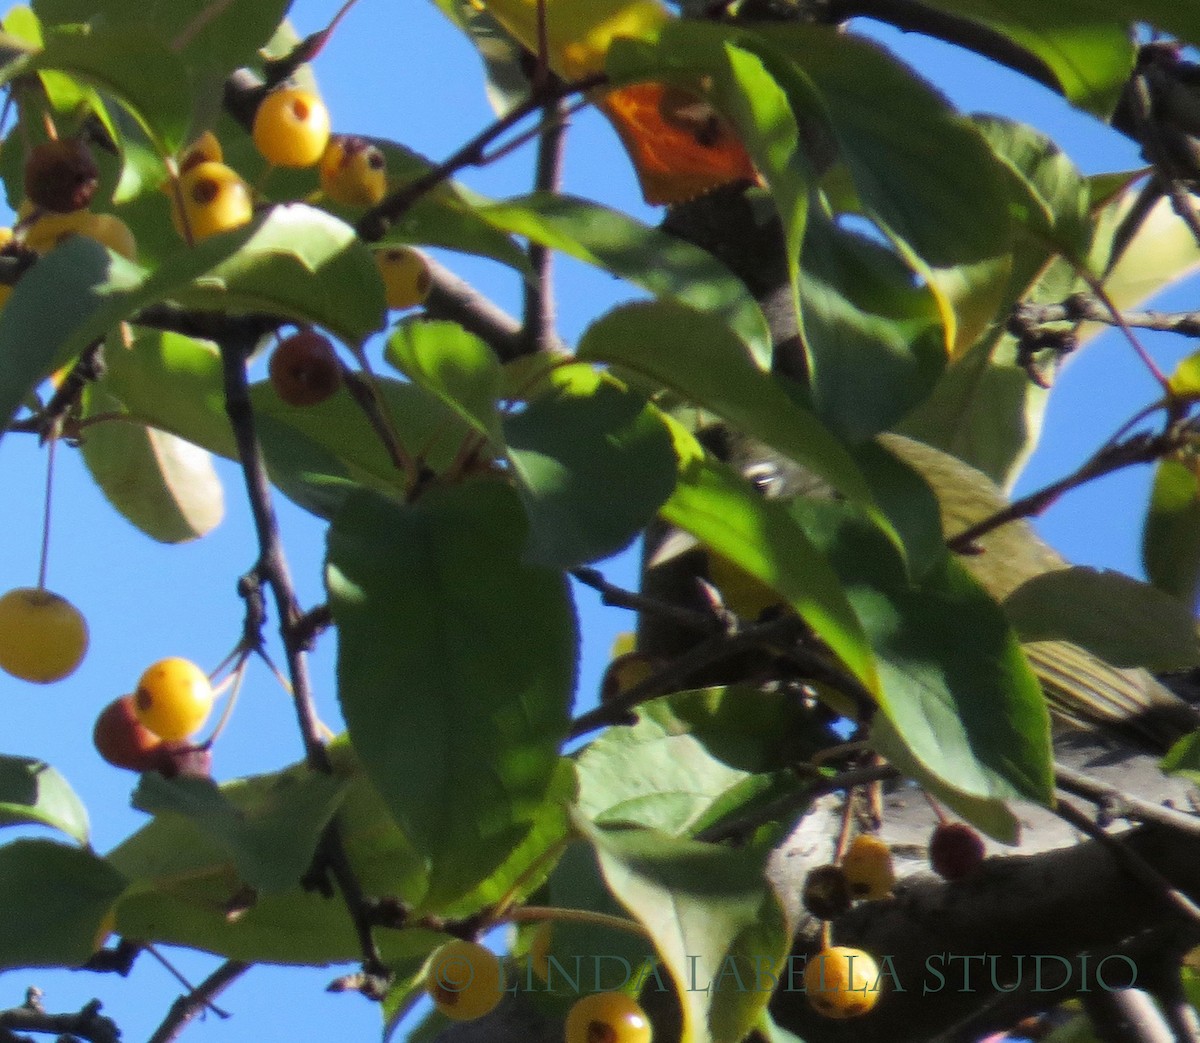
(913, 17)
(538, 323)
(374, 224)
(190, 1006)
(31, 1017)
(235, 341)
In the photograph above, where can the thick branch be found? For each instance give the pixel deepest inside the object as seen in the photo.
(87, 1024)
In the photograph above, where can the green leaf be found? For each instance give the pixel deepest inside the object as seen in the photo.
(165, 486)
(888, 122)
(133, 63)
(1051, 198)
(990, 814)
(302, 263)
(184, 884)
(1116, 617)
(1184, 758)
(646, 775)
(55, 904)
(171, 382)
(875, 341)
(761, 538)
(663, 264)
(972, 712)
(1171, 531)
(455, 366)
(693, 757)
(61, 294)
(456, 664)
(593, 465)
(717, 925)
(273, 842)
(695, 354)
(33, 793)
(213, 39)
(1080, 687)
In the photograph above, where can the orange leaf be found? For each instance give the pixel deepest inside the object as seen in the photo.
(680, 145)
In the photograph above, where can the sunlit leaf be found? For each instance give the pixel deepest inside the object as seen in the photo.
(33, 793)
(452, 364)
(717, 925)
(666, 266)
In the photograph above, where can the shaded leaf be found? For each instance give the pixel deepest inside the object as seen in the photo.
(133, 63)
(1077, 20)
(661, 263)
(696, 355)
(875, 341)
(184, 884)
(456, 664)
(887, 122)
(273, 843)
(1118, 618)
(593, 465)
(61, 294)
(717, 925)
(55, 903)
(33, 793)
(971, 712)
(761, 538)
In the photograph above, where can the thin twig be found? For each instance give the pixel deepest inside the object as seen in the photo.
(374, 224)
(190, 1006)
(538, 325)
(1137, 866)
(1140, 449)
(1083, 307)
(235, 343)
(613, 596)
(1119, 804)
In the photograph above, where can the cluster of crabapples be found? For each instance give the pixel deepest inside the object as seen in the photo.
(207, 197)
(43, 638)
(465, 980)
(843, 982)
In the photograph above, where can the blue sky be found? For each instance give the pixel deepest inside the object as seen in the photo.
(398, 69)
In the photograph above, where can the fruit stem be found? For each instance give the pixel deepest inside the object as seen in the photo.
(48, 123)
(46, 513)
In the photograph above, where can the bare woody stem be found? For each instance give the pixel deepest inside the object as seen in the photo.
(1140, 449)
(235, 340)
(375, 223)
(190, 1006)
